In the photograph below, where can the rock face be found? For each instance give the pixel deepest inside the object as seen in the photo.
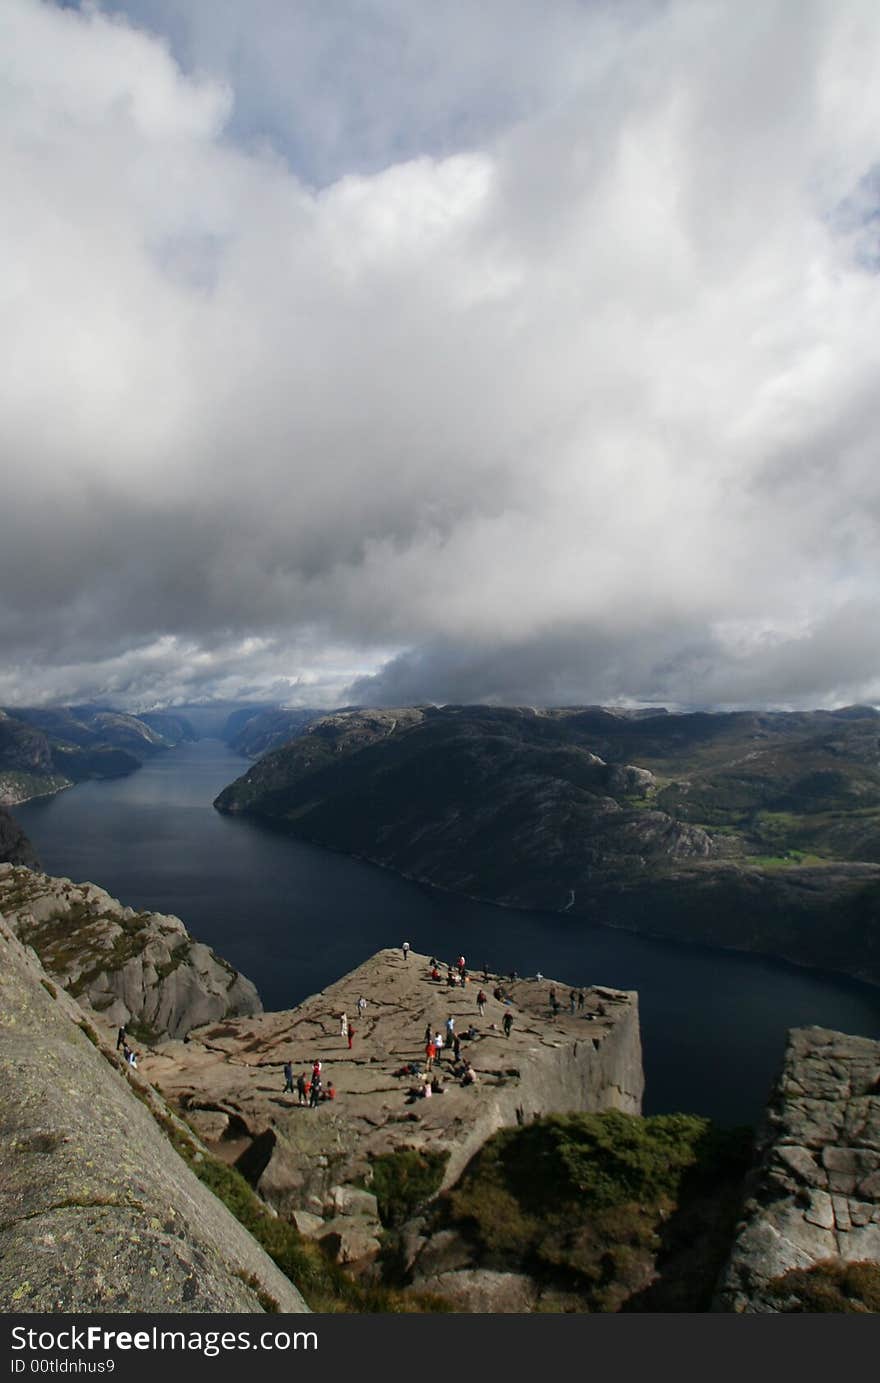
(302, 1159)
(138, 968)
(97, 1212)
(815, 1194)
(15, 848)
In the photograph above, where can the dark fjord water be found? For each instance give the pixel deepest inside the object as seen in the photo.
(295, 917)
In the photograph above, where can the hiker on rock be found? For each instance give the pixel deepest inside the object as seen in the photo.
(405, 948)
(350, 1036)
(288, 1078)
(572, 1001)
(343, 1025)
(430, 1052)
(580, 998)
(315, 1097)
(507, 1023)
(302, 1087)
(481, 1002)
(362, 1006)
(120, 1038)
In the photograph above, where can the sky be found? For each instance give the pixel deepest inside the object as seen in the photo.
(384, 351)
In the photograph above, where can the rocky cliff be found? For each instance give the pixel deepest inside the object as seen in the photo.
(137, 968)
(15, 848)
(97, 1212)
(227, 1080)
(814, 1198)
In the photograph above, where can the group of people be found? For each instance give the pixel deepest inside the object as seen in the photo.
(309, 1090)
(576, 1000)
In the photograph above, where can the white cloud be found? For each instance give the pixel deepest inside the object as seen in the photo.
(576, 400)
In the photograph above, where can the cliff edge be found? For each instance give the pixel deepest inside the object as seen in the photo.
(814, 1198)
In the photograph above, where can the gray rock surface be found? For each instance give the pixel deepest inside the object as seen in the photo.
(138, 968)
(815, 1193)
(316, 1159)
(97, 1211)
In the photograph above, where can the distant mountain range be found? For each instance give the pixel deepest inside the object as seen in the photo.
(758, 831)
(45, 749)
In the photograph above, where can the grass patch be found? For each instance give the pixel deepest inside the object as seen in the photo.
(622, 1212)
(404, 1181)
(832, 1285)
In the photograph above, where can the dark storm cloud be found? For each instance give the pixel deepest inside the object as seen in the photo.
(528, 355)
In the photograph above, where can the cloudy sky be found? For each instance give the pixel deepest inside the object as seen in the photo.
(388, 350)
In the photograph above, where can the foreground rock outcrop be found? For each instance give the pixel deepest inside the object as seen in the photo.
(228, 1080)
(815, 1195)
(97, 1212)
(15, 848)
(142, 969)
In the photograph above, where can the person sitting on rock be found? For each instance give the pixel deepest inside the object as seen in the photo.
(435, 973)
(469, 1077)
(330, 1092)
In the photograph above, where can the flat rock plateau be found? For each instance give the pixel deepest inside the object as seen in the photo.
(315, 1163)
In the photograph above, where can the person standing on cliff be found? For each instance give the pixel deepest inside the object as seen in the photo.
(302, 1086)
(350, 1036)
(362, 1006)
(120, 1038)
(343, 1025)
(405, 948)
(288, 1078)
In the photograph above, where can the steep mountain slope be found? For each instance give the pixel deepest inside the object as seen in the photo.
(755, 831)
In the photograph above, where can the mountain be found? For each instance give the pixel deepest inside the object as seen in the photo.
(756, 831)
(45, 749)
(255, 732)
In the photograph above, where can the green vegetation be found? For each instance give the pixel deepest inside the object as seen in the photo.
(829, 1286)
(606, 1211)
(404, 1181)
